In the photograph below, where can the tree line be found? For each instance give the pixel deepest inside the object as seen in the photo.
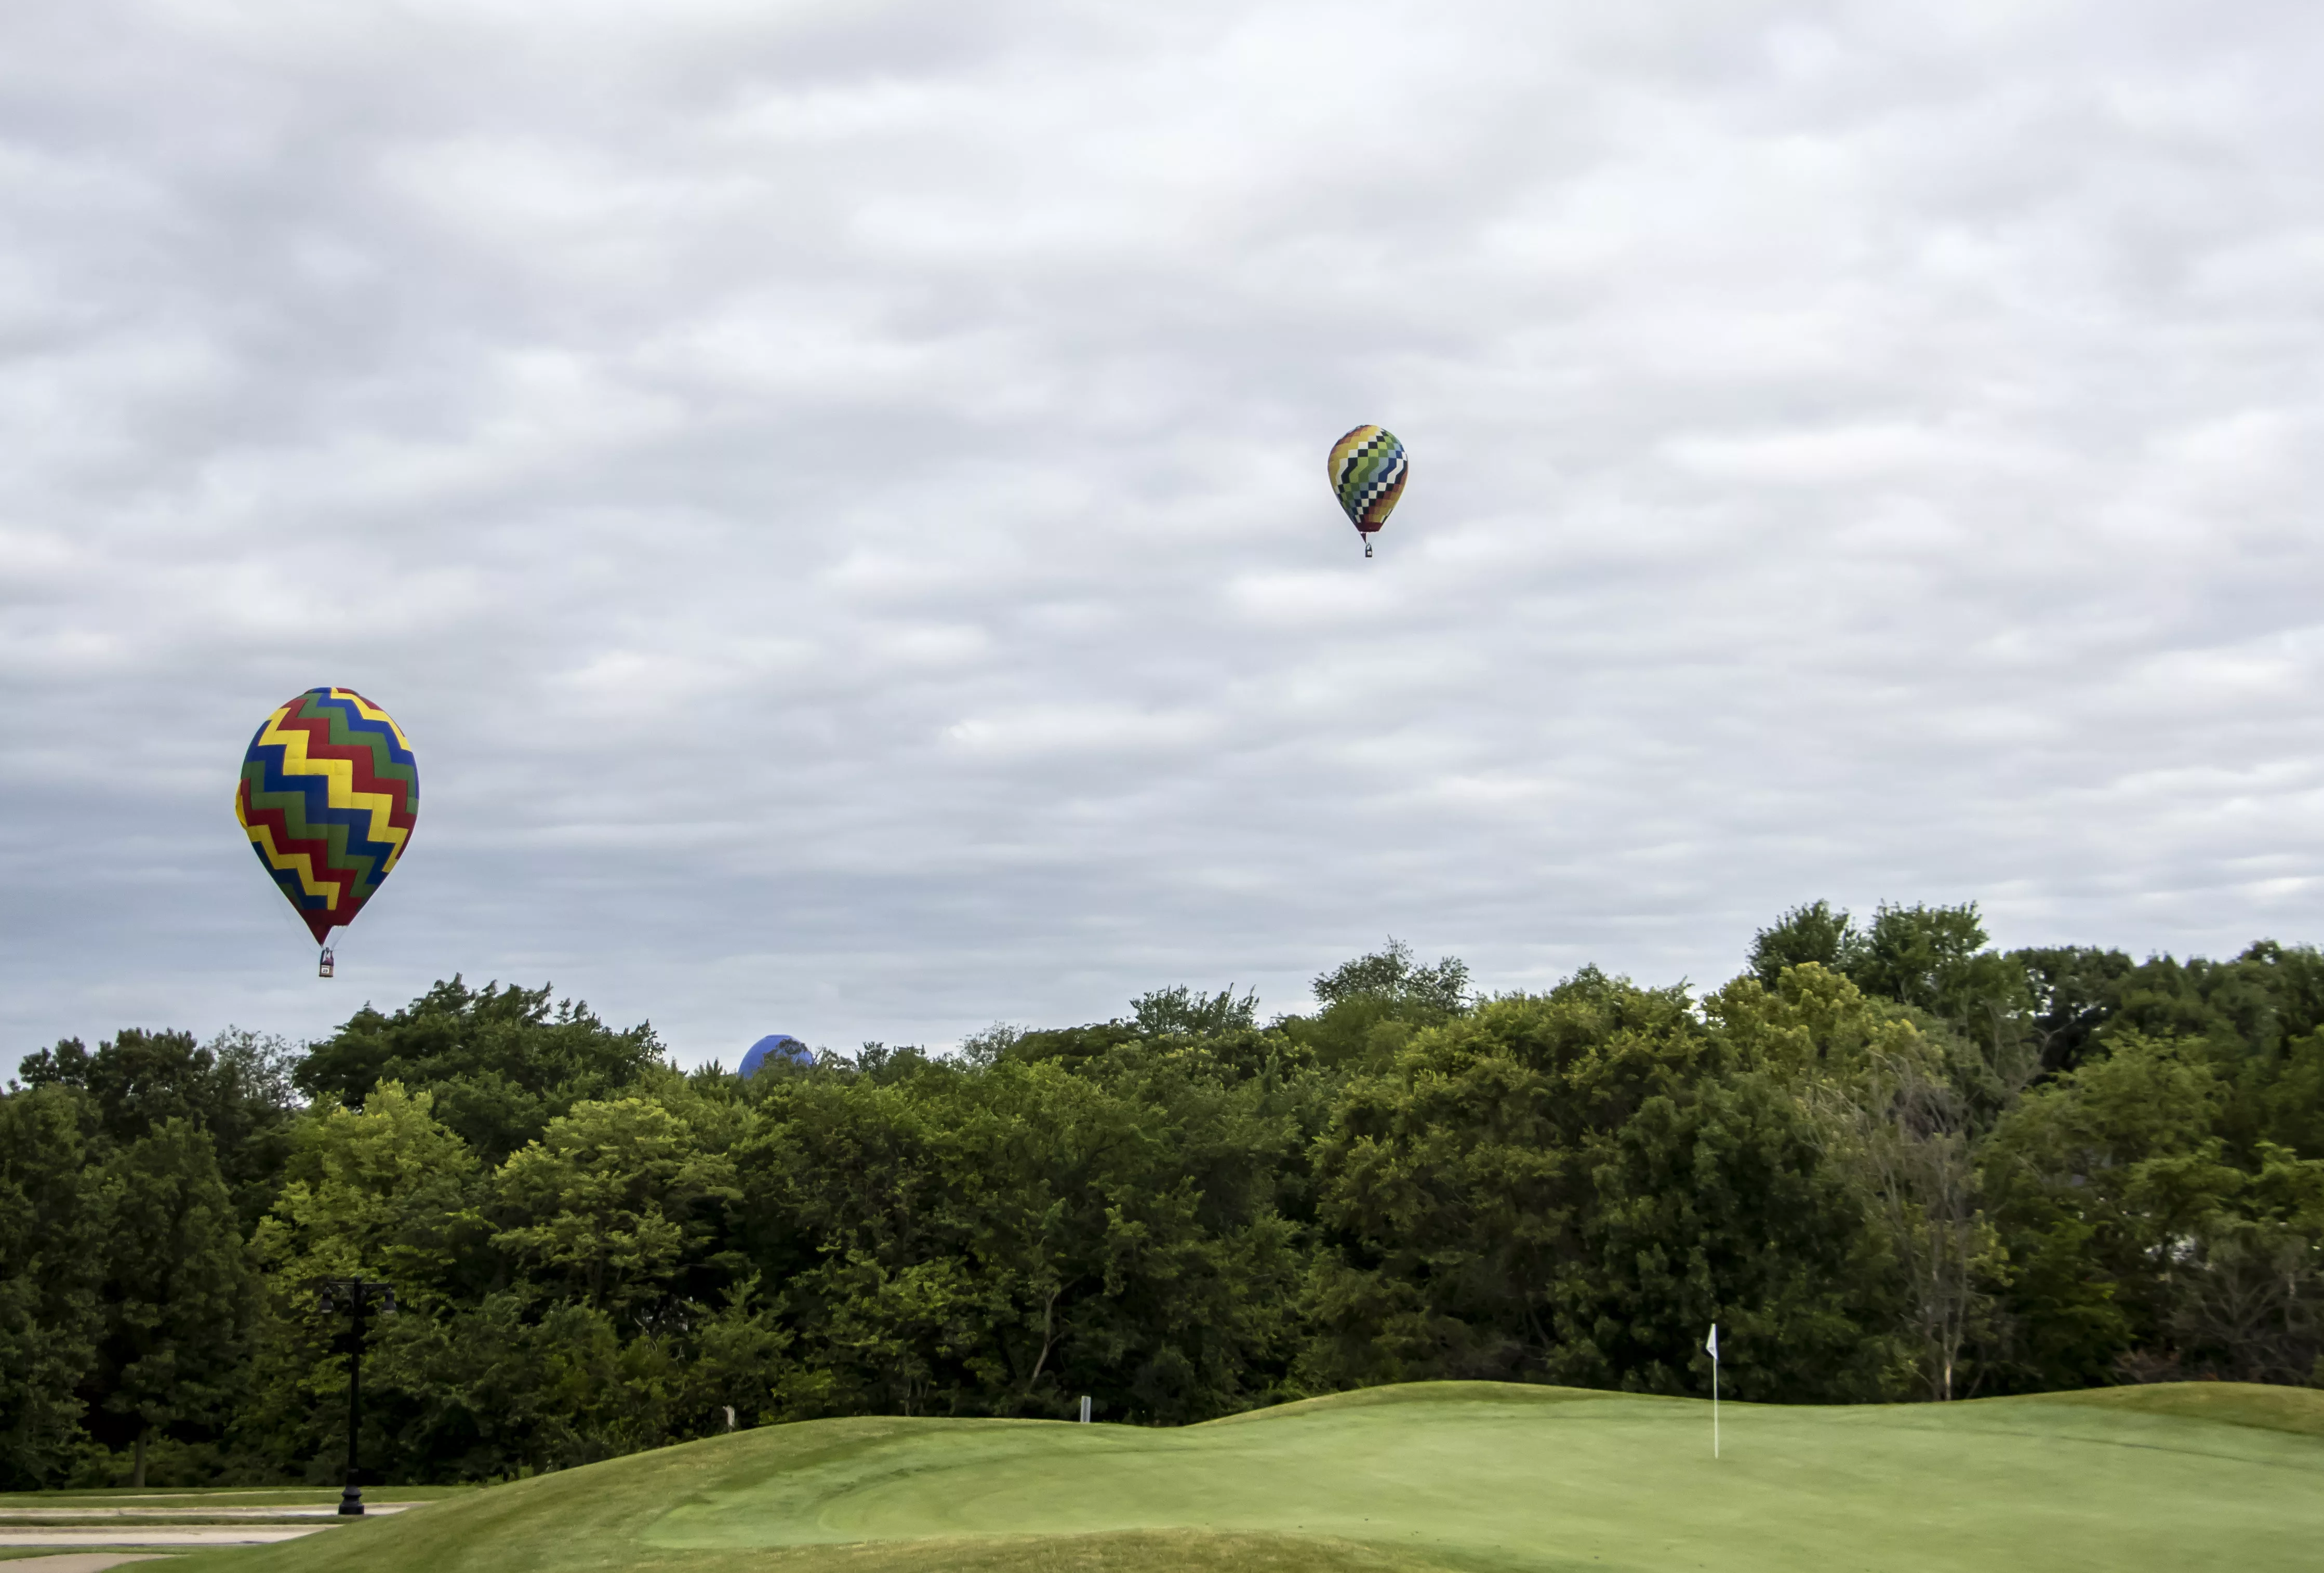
(1890, 1161)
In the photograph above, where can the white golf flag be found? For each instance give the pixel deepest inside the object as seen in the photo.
(1711, 1344)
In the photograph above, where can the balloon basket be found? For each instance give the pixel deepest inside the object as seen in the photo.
(323, 967)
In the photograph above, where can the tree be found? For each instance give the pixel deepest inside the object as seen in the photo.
(607, 1202)
(2155, 1241)
(501, 1062)
(51, 1262)
(1810, 1022)
(1812, 933)
(2075, 990)
(1901, 1112)
(1394, 977)
(1001, 1241)
(1372, 1005)
(177, 1294)
(1561, 1187)
(383, 1192)
(2246, 1299)
(1934, 959)
(236, 1090)
(2096, 1180)
(1180, 1012)
(1907, 1134)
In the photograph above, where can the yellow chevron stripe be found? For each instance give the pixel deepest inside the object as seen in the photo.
(341, 775)
(262, 838)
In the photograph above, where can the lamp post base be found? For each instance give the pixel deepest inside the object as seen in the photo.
(351, 1502)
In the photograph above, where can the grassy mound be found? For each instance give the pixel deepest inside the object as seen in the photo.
(2297, 1409)
(1472, 1476)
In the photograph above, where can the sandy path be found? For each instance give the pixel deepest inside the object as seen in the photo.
(191, 1509)
(171, 1535)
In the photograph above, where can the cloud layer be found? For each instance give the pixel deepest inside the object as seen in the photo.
(835, 493)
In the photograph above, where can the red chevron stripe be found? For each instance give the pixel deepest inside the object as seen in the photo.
(277, 825)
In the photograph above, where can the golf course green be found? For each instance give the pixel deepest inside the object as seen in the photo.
(1474, 1477)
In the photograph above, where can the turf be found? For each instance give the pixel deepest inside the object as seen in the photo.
(1457, 1476)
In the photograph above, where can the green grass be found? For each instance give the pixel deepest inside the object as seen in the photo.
(1464, 1478)
(2297, 1409)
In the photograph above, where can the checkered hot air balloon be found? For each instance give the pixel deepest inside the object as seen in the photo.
(1367, 469)
(329, 793)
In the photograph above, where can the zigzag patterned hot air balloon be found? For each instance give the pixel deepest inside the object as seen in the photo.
(1367, 470)
(329, 793)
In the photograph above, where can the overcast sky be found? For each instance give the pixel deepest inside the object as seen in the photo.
(833, 493)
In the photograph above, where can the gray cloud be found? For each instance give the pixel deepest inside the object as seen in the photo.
(835, 496)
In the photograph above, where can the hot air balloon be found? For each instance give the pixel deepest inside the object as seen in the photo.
(1367, 470)
(775, 1048)
(329, 793)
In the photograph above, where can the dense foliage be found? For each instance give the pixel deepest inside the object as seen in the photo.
(1889, 1161)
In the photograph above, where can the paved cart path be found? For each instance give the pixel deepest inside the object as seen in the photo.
(157, 1535)
(189, 1510)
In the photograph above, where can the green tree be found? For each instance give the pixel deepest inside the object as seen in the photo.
(2149, 1238)
(1935, 959)
(1561, 1187)
(607, 1203)
(383, 1192)
(2245, 1008)
(1812, 933)
(1000, 1241)
(236, 1090)
(1372, 1005)
(2097, 1176)
(1810, 1022)
(52, 1263)
(1901, 1112)
(1907, 1134)
(501, 1062)
(178, 1287)
(1180, 1012)
(2075, 990)
(1394, 975)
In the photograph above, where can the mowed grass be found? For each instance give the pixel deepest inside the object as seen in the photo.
(1470, 1476)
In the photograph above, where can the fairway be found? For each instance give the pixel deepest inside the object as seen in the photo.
(1457, 1476)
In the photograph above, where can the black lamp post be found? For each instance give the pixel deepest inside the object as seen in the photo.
(354, 1296)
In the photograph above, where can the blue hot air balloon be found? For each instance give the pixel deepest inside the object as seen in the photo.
(776, 1048)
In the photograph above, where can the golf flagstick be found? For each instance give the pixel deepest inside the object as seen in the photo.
(1711, 1344)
